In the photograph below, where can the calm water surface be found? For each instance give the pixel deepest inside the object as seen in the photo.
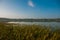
(39, 23)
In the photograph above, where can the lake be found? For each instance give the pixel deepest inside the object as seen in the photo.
(39, 23)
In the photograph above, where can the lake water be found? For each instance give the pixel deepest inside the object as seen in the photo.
(39, 23)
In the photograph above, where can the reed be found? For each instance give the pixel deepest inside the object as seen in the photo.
(27, 32)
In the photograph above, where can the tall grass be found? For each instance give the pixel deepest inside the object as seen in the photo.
(27, 32)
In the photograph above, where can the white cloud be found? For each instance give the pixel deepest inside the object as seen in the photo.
(30, 3)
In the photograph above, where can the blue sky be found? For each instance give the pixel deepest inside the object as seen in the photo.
(30, 8)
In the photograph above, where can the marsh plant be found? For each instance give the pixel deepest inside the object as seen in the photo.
(27, 32)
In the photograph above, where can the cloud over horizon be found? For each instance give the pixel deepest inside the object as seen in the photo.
(30, 3)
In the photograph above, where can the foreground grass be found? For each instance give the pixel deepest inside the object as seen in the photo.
(27, 32)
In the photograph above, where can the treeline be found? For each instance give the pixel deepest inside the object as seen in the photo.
(29, 20)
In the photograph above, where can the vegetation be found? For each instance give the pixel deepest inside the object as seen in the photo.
(27, 32)
(29, 20)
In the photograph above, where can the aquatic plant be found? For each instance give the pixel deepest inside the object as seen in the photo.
(27, 32)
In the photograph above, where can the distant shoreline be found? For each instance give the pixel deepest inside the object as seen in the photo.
(29, 20)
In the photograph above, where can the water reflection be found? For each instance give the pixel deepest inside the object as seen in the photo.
(39, 23)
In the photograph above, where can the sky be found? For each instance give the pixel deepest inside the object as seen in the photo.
(30, 8)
